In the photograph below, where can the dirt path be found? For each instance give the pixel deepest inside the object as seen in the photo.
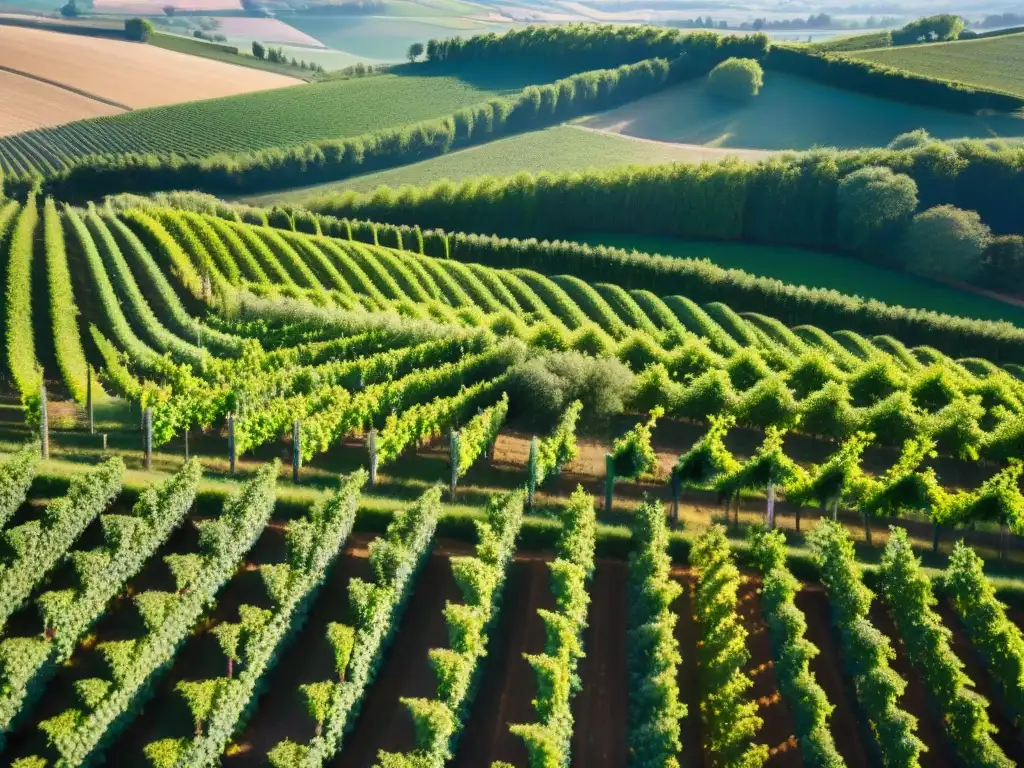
(693, 755)
(601, 707)
(915, 698)
(507, 685)
(827, 668)
(777, 731)
(384, 722)
(282, 711)
(1006, 735)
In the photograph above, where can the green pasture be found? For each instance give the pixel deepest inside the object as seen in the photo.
(561, 148)
(819, 269)
(791, 113)
(276, 118)
(994, 62)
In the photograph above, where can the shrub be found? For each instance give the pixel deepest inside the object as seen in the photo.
(911, 139)
(1002, 264)
(138, 29)
(736, 79)
(945, 242)
(870, 201)
(944, 26)
(542, 388)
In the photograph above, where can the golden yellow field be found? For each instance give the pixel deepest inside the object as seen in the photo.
(51, 78)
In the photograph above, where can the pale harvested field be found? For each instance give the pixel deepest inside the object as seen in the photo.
(156, 6)
(29, 104)
(131, 74)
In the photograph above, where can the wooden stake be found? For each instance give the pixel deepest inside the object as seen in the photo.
(453, 459)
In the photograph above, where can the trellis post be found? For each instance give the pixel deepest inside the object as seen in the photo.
(531, 468)
(453, 454)
(296, 451)
(371, 445)
(771, 506)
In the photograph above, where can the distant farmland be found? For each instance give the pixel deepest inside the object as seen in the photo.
(791, 113)
(277, 118)
(555, 149)
(124, 73)
(995, 62)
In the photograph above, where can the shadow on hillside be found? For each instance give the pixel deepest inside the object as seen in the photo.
(791, 113)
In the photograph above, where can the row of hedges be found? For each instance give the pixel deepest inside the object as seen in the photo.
(533, 107)
(790, 200)
(579, 47)
(888, 83)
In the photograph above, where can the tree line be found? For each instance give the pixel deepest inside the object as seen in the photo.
(533, 107)
(594, 46)
(808, 200)
(888, 82)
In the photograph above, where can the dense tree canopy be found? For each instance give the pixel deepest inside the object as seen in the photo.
(870, 201)
(946, 242)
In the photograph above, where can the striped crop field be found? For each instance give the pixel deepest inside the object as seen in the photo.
(277, 118)
(993, 62)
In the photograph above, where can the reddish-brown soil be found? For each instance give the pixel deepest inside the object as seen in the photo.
(507, 685)
(600, 708)
(827, 668)
(384, 723)
(282, 712)
(693, 755)
(777, 730)
(166, 715)
(974, 667)
(915, 698)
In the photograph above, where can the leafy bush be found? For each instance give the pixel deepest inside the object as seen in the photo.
(930, 29)
(871, 202)
(138, 29)
(736, 79)
(945, 242)
(1002, 264)
(541, 389)
(632, 454)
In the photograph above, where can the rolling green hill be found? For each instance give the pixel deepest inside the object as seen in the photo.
(995, 62)
(276, 118)
(791, 113)
(561, 148)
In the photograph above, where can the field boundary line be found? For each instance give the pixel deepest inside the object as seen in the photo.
(66, 87)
